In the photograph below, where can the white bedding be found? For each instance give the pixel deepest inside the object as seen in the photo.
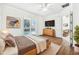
(11, 51)
(40, 42)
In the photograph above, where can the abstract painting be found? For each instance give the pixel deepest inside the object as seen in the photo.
(12, 22)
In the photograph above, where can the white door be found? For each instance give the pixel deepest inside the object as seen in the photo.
(67, 28)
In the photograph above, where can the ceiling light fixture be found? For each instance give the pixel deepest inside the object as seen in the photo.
(44, 6)
(45, 9)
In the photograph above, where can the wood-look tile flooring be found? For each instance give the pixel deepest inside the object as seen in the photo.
(65, 48)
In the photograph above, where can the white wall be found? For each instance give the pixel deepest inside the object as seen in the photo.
(15, 12)
(75, 16)
(1, 15)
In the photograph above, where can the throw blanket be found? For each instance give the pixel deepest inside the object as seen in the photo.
(40, 42)
(24, 44)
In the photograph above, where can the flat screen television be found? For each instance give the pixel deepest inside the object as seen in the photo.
(50, 23)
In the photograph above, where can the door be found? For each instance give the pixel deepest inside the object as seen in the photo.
(67, 28)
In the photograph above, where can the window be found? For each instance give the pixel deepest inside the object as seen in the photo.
(33, 26)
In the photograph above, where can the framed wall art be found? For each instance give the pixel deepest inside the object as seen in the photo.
(12, 22)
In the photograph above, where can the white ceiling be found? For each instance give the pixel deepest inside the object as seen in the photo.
(36, 8)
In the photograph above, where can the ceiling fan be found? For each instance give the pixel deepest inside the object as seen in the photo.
(45, 6)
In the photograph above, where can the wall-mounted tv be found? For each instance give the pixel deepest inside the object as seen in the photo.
(50, 23)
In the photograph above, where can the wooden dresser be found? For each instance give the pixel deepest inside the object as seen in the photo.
(49, 32)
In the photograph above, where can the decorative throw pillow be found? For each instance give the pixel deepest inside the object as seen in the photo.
(2, 45)
(10, 41)
(10, 35)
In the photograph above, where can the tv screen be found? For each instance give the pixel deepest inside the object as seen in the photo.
(50, 23)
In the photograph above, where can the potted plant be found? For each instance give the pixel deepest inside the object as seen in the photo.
(76, 38)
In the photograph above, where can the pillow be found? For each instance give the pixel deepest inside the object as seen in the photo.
(3, 35)
(8, 38)
(2, 45)
(10, 41)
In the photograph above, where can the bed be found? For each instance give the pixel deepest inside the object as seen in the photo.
(28, 45)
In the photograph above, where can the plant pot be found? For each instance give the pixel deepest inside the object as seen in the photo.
(76, 48)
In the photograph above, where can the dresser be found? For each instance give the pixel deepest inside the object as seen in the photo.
(49, 32)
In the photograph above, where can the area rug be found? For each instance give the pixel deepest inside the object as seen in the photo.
(52, 50)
